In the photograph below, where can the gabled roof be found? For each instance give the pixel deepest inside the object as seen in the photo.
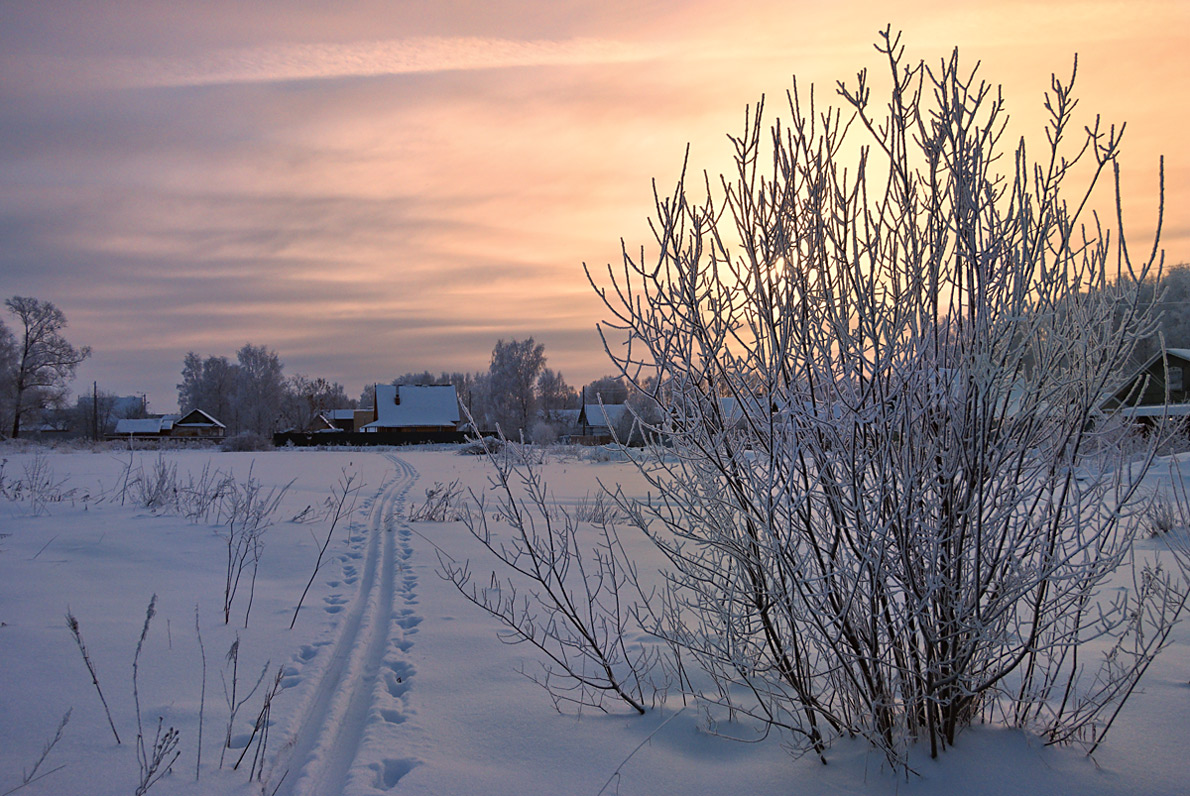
(197, 417)
(602, 414)
(415, 406)
(1127, 391)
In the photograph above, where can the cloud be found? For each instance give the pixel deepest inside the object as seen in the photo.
(318, 61)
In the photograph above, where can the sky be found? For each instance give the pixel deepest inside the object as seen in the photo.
(373, 188)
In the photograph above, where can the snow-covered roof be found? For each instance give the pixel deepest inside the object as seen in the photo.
(415, 406)
(1121, 391)
(340, 414)
(602, 414)
(142, 425)
(1160, 410)
(197, 417)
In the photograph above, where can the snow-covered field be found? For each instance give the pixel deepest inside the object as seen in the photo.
(391, 682)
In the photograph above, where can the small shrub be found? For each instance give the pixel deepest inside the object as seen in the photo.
(444, 503)
(477, 447)
(247, 442)
(1160, 517)
(598, 510)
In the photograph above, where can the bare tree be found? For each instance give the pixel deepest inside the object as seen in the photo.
(877, 381)
(8, 371)
(566, 593)
(306, 398)
(45, 361)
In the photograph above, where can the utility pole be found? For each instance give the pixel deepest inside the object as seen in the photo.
(95, 411)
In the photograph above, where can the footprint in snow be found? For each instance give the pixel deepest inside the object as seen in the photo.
(393, 716)
(390, 771)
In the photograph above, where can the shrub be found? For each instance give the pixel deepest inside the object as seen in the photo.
(877, 380)
(247, 442)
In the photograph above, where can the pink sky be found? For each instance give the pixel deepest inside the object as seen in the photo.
(380, 187)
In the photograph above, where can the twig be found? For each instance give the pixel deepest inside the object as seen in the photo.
(344, 490)
(646, 739)
(202, 700)
(73, 624)
(28, 778)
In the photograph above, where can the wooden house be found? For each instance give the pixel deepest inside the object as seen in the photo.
(197, 424)
(1159, 388)
(414, 408)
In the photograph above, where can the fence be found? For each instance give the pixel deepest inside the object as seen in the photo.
(358, 438)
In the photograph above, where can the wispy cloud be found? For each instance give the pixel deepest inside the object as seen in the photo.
(286, 62)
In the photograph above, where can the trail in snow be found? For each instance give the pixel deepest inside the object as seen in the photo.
(363, 688)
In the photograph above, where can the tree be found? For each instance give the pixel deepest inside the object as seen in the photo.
(607, 390)
(96, 413)
(554, 393)
(44, 361)
(1170, 295)
(208, 384)
(8, 365)
(887, 529)
(260, 389)
(306, 398)
(515, 368)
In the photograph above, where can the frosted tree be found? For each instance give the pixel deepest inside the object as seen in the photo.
(554, 393)
(512, 383)
(208, 384)
(260, 389)
(606, 389)
(876, 362)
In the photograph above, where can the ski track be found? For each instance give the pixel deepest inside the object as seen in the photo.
(347, 727)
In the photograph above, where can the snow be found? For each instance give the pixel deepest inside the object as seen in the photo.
(391, 681)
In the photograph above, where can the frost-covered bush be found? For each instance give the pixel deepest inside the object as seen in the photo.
(443, 503)
(247, 442)
(875, 352)
(482, 447)
(35, 484)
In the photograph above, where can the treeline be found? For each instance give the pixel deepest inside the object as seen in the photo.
(253, 394)
(517, 394)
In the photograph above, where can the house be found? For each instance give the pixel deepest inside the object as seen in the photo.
(341, 420)
(414, 408)
(194, 425)
(1159, 388)
(598, 420)
(197, 424)
(566, 421)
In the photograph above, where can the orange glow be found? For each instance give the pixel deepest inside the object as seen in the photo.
(394, 191)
